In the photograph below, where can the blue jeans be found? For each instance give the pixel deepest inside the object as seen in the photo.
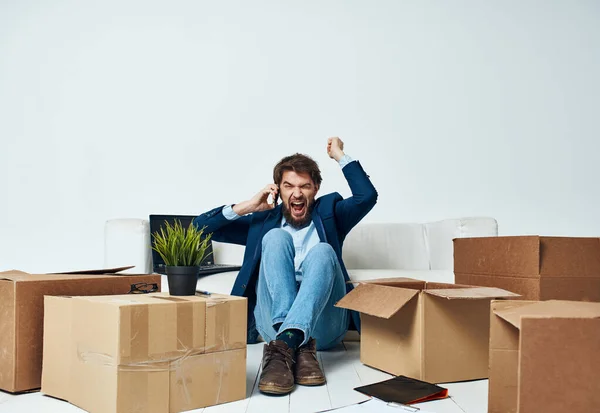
(307, 305)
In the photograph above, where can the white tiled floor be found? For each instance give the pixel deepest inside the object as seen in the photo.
(343, 370)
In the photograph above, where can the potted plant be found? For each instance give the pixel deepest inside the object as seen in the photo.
(182, 250)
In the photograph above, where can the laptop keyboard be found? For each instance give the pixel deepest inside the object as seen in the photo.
(217, 268)
(205, 267)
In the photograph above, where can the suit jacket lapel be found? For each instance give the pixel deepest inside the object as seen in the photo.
(273, 220)
(319, 225)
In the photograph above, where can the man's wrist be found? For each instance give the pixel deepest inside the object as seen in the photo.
(229, 213)
(344, 160)
(243, 208)
(338, 155)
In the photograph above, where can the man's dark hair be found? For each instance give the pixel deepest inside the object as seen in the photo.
(298, 163)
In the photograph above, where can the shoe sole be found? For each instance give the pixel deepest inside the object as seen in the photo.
(311, 381)
(271, 389)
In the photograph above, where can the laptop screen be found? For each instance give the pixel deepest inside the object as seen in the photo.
(156, 223)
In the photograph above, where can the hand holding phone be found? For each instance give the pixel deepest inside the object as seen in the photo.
(272, 197)
(264, 200)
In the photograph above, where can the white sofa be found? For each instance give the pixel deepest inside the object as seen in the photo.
(371, 250)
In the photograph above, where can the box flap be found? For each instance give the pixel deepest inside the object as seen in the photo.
(471, 293)
(33, 278)
(99, 271)
(16, 275)
(550, 309)
(432, 285)
(377, 300)
(401, 282)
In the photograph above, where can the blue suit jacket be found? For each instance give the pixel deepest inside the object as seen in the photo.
(333, 216)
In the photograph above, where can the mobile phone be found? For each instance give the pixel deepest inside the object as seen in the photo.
(276, 198)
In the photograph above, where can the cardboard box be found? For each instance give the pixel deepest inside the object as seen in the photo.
(537, 268)
(148, 353)
(429, 331)
(544, 357)
(22, 315)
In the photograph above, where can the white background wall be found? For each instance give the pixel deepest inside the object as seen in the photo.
(131, 107)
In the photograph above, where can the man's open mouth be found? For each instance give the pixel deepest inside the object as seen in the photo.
(298, 207)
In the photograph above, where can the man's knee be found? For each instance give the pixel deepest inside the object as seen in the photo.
(324, 249)
(277, 237)
(322, 254)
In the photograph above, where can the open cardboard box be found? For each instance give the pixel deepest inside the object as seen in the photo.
(544, 357)
(429, 331)
(537, 268)
(22, 315)
(145, 352)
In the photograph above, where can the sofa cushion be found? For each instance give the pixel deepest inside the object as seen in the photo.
(222, 283)
(386, 246)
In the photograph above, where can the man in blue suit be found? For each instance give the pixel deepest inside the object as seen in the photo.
(293, 272)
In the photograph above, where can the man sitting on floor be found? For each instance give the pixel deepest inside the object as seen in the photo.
(293, 273)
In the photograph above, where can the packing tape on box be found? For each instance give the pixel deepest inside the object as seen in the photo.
(169, 333)
(230, 335)
(162, 364)
(137, 379)
(139, 332)
(218, 316)
(161, 331)
(185, 326)
(175, 366)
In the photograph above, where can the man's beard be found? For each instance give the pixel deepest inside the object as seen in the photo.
(298, 223)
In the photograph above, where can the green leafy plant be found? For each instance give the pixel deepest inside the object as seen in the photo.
(179, 246)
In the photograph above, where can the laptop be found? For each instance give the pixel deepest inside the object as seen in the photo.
(207, 266)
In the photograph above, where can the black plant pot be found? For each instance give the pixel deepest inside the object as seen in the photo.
(182, 280)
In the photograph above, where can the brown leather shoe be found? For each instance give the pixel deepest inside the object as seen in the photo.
(277, 376)
(308, 372)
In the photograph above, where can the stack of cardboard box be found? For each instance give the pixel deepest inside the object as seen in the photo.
(99, 340)
(540, 356)
(150, 353)
(543, 352)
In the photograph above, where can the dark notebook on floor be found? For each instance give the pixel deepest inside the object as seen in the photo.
(404, 390)
(207, 266)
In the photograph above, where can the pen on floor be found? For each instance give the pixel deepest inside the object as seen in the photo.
(404, 407)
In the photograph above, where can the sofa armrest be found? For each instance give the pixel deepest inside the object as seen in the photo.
(439, 236)
(127, 242)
